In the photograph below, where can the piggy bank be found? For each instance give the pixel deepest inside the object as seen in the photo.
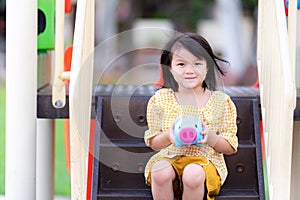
(187, 131)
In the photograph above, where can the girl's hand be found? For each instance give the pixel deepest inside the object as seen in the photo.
(204, 133)
(209, 137)
(162, 140)
(170, 133)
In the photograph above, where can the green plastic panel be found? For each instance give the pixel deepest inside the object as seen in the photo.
(46, 24)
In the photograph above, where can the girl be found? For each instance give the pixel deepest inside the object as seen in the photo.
(189, 69)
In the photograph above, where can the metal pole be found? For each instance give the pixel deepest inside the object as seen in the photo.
(295, 179)
(45, 159)
(21, 89)
(297, 75)
(295, 182)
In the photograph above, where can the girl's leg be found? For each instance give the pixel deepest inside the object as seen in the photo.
(193, 180)
(162, 176)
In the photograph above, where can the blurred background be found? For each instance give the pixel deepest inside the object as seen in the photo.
(229, 26)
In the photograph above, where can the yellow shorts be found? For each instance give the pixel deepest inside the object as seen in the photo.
(212, 182)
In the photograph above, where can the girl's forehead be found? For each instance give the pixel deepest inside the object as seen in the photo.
(191, 46)
(183, 53)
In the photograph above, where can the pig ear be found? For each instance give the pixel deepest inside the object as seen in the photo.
(178, 123)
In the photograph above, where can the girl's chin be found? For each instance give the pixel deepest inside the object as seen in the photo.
(192, 86)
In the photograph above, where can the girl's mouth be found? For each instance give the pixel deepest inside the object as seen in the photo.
(189, 78)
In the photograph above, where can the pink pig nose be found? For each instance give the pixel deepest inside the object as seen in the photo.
(188, 135)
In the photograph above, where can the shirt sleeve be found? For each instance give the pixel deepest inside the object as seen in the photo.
(229, 128)
(154, 119)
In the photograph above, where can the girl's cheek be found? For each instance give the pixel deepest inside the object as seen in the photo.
(203, 74)
(202, 70)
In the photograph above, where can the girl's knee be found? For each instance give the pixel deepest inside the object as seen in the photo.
(193, 176)
(162, 172)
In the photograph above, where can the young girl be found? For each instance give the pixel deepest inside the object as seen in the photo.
(189, 69)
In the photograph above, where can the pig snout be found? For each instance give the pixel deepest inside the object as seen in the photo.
(188, 135)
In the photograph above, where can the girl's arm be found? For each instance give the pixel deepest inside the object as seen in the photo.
(223, 146)
(162, 140)
(154, 137)
(219, 143)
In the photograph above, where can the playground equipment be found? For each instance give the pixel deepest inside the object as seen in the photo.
(276, 52)
(246, 179)
(119, 158)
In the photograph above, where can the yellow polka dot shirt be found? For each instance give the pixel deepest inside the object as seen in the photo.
(219, 113)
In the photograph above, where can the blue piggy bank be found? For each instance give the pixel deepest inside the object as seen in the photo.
(187, 131)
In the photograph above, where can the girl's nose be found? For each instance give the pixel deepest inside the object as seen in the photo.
(189, 68)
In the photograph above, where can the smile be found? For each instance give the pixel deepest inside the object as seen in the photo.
(190, 78)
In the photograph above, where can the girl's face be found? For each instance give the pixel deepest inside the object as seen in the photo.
(188, 70)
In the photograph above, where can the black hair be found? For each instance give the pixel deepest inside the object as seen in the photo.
(199, 47)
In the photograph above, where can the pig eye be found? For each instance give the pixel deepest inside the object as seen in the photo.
(179, 127)
(196, 126)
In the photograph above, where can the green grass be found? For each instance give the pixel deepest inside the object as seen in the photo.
(2, 137)
(62, 178)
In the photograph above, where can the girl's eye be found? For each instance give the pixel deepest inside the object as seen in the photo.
(180, 64)
(198, 63)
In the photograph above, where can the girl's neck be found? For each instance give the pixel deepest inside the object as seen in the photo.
(191, 91)
(198, 97)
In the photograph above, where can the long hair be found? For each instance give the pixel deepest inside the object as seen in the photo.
(199, 47)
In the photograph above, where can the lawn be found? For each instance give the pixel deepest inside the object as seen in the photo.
(62, 178)
(2, 137)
